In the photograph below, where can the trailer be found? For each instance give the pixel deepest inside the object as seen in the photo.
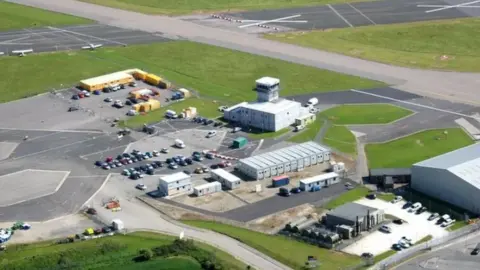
(281, 180)
(206, 189)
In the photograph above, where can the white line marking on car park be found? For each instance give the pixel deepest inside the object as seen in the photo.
(63, 180)
(339, 15)
(54, 130)
(98, 190)
(43, 136)
(414, 104)
(453, 6)
(440, 6)
(361, 13)
(85, 35)
(126, 146)
(269, 21)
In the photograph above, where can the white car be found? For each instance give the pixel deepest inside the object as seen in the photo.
(132, 113)
(403, 244)
(164, 150)
(448, 222)
(222, 108)
(86, 93)
(408, 240)
(386, 229)
(397, 199)
(108, 99)
(236, 129)
(155, 153)
(211, 134)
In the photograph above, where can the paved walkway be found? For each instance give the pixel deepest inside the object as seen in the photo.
(447, 85)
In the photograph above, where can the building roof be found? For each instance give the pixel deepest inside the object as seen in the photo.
(225, 175)
(390, 171)
(208, 185)
(319, 177)
(174, 177)
(267, 81)
(107, 78)
(289, 153)
(350, 211)
(272, 107)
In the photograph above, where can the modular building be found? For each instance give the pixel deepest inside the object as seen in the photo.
(268, 112)
(100, 82)
(355, 218)
(240, 142)
(208, 188)
(175, 184)
(453, 177)
(153, 79)
(227, 179)
(305, 119)
(319, 181)
(281, 180)
(289, 159)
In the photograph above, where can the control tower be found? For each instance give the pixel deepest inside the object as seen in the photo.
(267, 89)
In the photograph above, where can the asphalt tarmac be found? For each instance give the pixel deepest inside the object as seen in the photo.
(48, 39)
(357, 14)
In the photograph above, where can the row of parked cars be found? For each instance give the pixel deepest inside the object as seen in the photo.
(417, 208)
(128, 158)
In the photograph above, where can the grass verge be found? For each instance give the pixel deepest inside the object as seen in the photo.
(309, 133)
(172, 7)
(445, 44)
(388, 197)
(216, 73)
(365, 114)
(15, 16)
(288, 251)
(416, 147)
(349, 196)
(268, 135)
(424, 239)
(341, 138)
(457, 225)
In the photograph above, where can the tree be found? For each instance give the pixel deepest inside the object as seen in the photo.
(145, 254)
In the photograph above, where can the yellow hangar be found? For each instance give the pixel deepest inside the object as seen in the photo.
(100, 82)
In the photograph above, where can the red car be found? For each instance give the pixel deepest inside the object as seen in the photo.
(124, 161)
(109, 159)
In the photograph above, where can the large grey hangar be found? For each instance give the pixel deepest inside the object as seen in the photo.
(453, 177)
(288, 159)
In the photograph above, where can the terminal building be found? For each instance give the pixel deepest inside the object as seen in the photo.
(269, 112)
(289, 159)
(175, 184)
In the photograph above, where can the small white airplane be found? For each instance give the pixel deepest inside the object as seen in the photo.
(22, 52)
(92, 46)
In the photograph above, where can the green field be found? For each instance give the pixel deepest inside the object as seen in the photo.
(173, 7)
(216, 73)
(457, 225)
(415, 148)
(419, 44)
(340, 138)
(116, 252)
(14, 16)
(349, 196)
(290, 252)
(309, 133)
(205, 108)
(364, 114)
(268, 135)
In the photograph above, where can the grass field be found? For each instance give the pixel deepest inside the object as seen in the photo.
(349, 196)
(116, 252)
(364, 114)
(457, 225)
(172, 7)
(14, 16)
(419, 44)
(268, 135)
(205, 108)
(415, 148)
(309, 133)
(215, 72)
(340, 138)
(290, 252)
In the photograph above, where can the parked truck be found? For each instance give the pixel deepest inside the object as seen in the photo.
(312, 102)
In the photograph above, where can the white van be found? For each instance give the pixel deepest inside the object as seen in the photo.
(179, 143)
(299, 127)
(171, 114)
(415, 207)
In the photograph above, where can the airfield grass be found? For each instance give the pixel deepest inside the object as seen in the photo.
(364, 114)
(349, 196)
(173, 7)
(216, 73)
(15, 16)
(287, 251)
(268, 135)
(309, 133)
(205, 108)
(114, 252)
(419, 44)
(340, 138)
(404, 152)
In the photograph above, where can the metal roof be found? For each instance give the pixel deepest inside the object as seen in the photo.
(272, 107)
(108, 78)
(277, 158)
(174, 177)
(319, 177)
(267, 81)
(208, 185)
(350, 211)
(390, 171)
(225, 175)
(286, 155)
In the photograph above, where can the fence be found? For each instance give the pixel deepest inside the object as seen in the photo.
(427, 246)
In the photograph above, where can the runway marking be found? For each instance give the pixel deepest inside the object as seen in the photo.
(269, 21)
(87, 176)
(453, 6)
(54, 130)
(106, 150)
(282, 21)
(98, 190)
(63, 180)
(34, 138)
(361, 13)
(339, 15)
(85, 35)
(415, 104)
(439, 6)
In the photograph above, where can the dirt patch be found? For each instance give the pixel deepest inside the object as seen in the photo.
(216, 202)
(275, 222)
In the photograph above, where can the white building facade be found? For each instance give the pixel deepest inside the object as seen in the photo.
(269, 112)
(175, 184)
(227, 179)
(288, 159)
(319, 181)
(453, 177)
(208, 188)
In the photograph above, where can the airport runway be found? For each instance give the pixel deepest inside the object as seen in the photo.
(47, 39)
(358, 14)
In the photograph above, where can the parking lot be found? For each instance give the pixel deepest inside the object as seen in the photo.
(417, 226)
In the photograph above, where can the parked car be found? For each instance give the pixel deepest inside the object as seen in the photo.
(399, 221)
(72, 109)
(159, 163)
(284, 192)
(397, 199)
(236, 129)
(448, 222)
(404, 244)
(385, 228)
(408, 240)
(433, 216)
(108, 99)
(407, 205)
(164, 151)
(187, 172)
(98, 163)
(421, 210)
(211, 133)
(141, 187)
(106, 229)
(476, 250)
(367, 255)
(396, 247)
(371, 196)
(295, 190)
(172, 166)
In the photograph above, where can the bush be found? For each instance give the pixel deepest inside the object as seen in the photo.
(110, 246)
(145, 254)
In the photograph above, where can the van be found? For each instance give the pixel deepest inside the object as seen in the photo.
(170, 114)
(300, 127)
(179, 143)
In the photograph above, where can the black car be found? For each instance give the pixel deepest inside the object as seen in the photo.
(98, 163)
(128, 102)
(134, 176)
(183, 163)
(398, 221)
(187, 172)
(169, 160)
(396, 247)
(119, 157)
(295, 190)
(188, 161)
(150, 172)
(72, 109)
(158, 163)
(138, 169)
(217, 124)
(126, 155)
(421, 210)
(407, 205)
(372, 196)
(284, 192)
(106, 230)
(214, 166)
(143, 168)
(134, 159)
(367, 255)
(476, 250)
(154, 165)
(209, 122)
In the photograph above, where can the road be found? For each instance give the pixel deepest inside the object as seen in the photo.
(447, 85)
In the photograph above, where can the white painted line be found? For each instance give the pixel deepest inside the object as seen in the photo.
(439, 6)
(361, 13)
(85, 35)
(63, 180)
(96, 192)
(43, 136)
(269, 21)
(110, 149)
(87, 176)
(454, 6)
(414, 104)
(339, 15)
(54, 130)
(282, 21)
